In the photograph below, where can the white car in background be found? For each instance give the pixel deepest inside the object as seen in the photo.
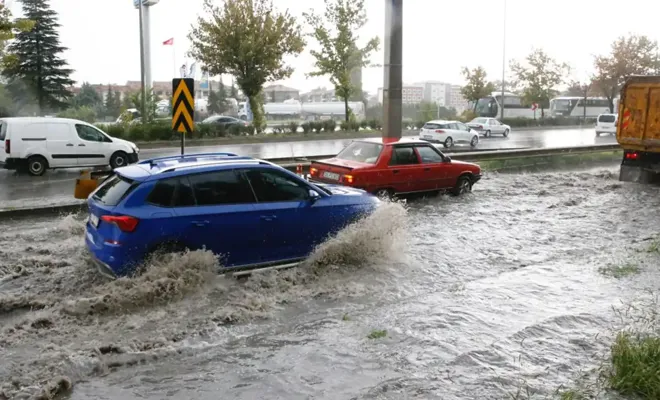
(489, 126)
(606, 123)
(448, 133)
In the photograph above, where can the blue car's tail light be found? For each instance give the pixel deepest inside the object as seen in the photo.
(123, 222)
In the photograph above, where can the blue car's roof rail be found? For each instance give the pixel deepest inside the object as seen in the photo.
(187, 158)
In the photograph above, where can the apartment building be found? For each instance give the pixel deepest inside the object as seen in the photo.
(436, 92)
(411, 94)
(456, 99)
(280, 93)
(319, 95)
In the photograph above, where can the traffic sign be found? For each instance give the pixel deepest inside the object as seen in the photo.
(534, 106)
(183, 105)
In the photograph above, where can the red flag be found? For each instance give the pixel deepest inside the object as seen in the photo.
(169, 42)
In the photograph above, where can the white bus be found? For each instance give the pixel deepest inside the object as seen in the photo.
(513, 106)
(574, 106)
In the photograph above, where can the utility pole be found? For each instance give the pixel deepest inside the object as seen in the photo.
(503, 62)
(393, 70)
(143, 88)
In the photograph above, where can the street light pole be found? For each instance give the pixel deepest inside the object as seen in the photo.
(503, 62)
(142, 71)
(393, 70)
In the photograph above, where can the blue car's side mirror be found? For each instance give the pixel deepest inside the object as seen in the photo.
(314, 195)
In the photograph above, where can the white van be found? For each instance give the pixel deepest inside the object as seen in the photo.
(606, 123)
(36, 144)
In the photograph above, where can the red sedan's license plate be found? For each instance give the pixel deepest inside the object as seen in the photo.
(331, 175)
(94, 220)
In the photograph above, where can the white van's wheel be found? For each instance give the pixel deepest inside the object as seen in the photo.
(118, 160)
(37, 165)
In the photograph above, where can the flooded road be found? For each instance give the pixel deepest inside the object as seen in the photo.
(446, 298)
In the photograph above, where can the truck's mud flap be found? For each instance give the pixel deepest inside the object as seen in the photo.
(638, 175)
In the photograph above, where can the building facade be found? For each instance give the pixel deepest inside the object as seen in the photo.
(319, 95)
(456, 99)
(411, 94)
(436, 92)
(280, 93)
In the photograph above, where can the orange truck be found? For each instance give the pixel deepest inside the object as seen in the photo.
(638, 129)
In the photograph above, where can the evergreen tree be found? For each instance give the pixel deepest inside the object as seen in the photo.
(234, 91)
(88, 97)
(222, 91)
(39, 69)
(118, 102)
(111, 108)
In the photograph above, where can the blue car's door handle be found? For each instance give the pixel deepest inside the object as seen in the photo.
(200, 223)
(268, 217)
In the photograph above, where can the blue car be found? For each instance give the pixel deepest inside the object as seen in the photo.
(251, 212)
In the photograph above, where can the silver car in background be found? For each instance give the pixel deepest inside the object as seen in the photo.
(489, 126)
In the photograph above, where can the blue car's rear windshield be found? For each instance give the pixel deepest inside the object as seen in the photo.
(113, 190)
(364, 152)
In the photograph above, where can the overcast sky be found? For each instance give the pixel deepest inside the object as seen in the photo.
(439, 36)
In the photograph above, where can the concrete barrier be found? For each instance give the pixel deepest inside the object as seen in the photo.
(302, 164)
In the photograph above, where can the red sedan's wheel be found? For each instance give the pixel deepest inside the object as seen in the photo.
(384, 194)
(463, 186)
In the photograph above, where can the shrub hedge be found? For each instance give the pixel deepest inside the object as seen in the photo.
(163, 130)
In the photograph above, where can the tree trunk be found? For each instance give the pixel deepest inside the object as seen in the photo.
(258, 121)
(347, 114)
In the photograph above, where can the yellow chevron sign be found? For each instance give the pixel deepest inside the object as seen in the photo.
(183, 105)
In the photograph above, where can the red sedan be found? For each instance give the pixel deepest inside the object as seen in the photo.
(401, 167)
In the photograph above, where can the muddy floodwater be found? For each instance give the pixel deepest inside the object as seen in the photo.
(440, 298)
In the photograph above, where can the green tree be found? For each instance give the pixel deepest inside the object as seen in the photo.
(540, 77)
(217, 102)
(476, 86)
(427, 111)
(233, 91)
(127, 102)
(38, 69)
(336, 33)
(84, 113)
(222, 90)
(632, 55)
(112, 103)
(151, 104)
(8, 29)
(88, 97)
(249, 40)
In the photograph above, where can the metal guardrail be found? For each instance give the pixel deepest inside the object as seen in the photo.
(293, 163)
(487, 154)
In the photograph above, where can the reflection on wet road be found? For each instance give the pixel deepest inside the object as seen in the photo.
(57, 186)
(475, 297)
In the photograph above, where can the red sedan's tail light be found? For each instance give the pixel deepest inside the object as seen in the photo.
(632, 156)
(439, 131)
(7, 146)
(348, 178)
(313, 171)
(123, 222)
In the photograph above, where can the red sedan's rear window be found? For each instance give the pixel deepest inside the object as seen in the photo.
(364, 152)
